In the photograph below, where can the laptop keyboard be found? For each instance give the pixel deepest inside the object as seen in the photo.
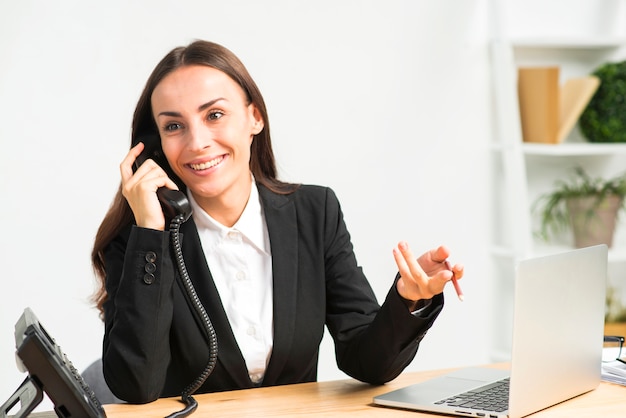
(492, 397)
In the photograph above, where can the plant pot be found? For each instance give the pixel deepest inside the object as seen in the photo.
(593, 222)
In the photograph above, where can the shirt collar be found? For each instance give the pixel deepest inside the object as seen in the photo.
(251, 223)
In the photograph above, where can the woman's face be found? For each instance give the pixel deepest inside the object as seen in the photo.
(206, 128)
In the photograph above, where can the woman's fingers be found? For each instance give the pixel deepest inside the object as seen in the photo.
(126, 166)
(426, 276)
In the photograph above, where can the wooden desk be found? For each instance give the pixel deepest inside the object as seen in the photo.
(351, 398)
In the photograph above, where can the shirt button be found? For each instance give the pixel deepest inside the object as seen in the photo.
(241, 275)
(151, 256)
(148, 278)
(251, 330)
(233, 235)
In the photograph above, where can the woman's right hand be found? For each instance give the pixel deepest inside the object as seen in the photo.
(139, 189)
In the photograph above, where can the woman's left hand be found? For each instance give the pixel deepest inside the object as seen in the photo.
(426, 276)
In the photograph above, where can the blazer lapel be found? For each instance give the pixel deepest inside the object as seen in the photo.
(229, 354)
(280, 215)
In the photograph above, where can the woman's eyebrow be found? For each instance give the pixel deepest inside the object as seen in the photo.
(200, 108)
(209, 103)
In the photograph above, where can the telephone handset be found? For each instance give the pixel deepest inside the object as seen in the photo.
(173, 202)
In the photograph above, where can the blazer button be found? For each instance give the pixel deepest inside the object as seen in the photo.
(151, 256)
(150, 267)
(148, 278)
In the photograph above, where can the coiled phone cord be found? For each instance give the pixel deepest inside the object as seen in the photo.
(192, 404)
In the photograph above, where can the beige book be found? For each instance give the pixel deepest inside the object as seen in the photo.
(538, 93)
(575, 95)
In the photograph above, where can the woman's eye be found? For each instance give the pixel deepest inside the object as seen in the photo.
(172, 127)
(216, 114)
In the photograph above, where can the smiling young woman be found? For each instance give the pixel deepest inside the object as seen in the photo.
(272, 262)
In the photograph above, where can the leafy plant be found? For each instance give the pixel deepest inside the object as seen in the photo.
(552, 206)
(604, 118)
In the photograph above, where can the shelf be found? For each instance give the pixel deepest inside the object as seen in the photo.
(570, 43)
(524, 170)
(566, 149)
(574, 149)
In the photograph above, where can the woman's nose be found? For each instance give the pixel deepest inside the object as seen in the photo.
(199, 137)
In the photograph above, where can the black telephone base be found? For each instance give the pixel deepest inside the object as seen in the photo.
(51, 372)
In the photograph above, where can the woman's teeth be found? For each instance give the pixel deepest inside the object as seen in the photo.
(206, 165)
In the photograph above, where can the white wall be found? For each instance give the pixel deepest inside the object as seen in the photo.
(387, 103)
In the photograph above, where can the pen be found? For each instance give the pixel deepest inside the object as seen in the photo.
(457, 288)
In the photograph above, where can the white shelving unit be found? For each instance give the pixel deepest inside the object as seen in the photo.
(526, 170)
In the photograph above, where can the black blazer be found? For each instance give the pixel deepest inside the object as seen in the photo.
(155, 346)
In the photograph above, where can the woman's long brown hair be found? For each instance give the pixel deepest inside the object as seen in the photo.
(262, 162)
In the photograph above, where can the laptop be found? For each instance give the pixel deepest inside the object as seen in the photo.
(558, 327)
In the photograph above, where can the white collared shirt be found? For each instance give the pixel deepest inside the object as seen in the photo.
(240, 261)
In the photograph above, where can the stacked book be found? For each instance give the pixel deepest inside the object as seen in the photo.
(549, 111)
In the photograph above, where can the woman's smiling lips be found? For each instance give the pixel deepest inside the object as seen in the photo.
(207, 164)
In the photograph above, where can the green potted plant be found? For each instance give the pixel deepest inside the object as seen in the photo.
(589, 206)
(604, 117)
